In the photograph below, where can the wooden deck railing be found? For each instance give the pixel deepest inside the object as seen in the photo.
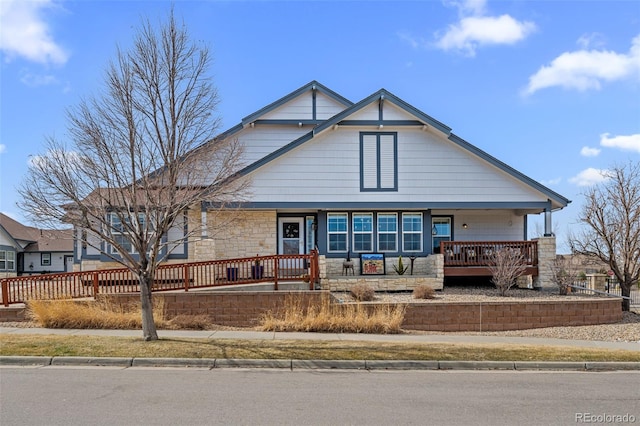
(184, 276)
(480, 253)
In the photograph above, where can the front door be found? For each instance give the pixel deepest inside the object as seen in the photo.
(68, 263)
(291, 235)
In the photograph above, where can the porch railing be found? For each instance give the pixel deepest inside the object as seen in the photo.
(480, 253)
(184, 276)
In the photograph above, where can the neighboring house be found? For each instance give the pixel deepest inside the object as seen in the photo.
(27, 250)
(376, 176)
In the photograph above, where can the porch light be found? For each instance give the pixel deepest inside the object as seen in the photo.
(465, 226)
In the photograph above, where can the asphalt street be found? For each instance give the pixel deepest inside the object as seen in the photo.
(191, 396)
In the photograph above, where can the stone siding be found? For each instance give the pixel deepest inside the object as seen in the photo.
(427, 270)
(235, 234)
(546, 256)
(381, 283)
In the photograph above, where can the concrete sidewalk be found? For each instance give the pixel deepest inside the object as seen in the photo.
(398, 338)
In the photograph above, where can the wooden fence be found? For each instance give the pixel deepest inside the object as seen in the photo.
(184, 276)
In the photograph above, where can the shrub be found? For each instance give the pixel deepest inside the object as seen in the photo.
(564, 273)
(507, 264)
(331, 317)
(362, 293)
(424, 292)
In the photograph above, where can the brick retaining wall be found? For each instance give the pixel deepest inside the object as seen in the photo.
(499, 316)
(12, 313)
(243, 309)
(236, 309)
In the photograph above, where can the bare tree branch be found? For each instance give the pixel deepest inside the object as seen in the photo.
(140, 154)
(611, 219)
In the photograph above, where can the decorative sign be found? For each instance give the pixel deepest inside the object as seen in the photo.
(291, 230)
(372, 264)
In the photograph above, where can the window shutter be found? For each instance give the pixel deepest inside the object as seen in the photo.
(369, 161)
(387, 162)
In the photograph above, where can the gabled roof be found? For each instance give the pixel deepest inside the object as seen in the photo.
(37, 239)
(313, 86)
(16, 230)
(383, 95)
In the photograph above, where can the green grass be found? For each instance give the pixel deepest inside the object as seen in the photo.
(104, 346)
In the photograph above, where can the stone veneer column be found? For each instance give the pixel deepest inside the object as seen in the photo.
(546, 255)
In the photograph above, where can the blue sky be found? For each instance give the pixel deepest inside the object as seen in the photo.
(551, 88)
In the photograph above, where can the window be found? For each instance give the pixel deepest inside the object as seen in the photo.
(411, 231)
(7, 260)
(120, 232)
(378, 162)
(337, 231)
(441, 231)
(45, 259)
(362, 232)
(387, 232)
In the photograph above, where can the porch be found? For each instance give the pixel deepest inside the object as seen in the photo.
(473, 258)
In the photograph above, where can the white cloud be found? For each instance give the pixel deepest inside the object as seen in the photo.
(589, 177)
(24, 33)
(627, 143)
(587, 69)
(472, 32)
(3, 148)
(475, 29)
(36, 80)
(589, 152)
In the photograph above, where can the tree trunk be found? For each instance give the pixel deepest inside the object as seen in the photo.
(625, 288)
(148, 324)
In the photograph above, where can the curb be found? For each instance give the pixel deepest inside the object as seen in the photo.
(299, 364)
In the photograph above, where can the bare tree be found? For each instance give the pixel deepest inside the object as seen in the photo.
(506, 265)
(564, 272)
(611, 215)
(136, 161)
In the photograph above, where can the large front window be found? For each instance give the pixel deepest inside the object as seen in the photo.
(382, 232)
(337, 231)
(362, 232)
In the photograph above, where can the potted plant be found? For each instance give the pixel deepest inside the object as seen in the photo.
(257, 270)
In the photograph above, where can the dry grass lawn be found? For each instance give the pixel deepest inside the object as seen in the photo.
(103, 346)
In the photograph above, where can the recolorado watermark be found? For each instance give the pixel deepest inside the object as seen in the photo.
(605, 418)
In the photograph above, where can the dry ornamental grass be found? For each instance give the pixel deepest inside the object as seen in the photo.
(335, 318)
(103, 314)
